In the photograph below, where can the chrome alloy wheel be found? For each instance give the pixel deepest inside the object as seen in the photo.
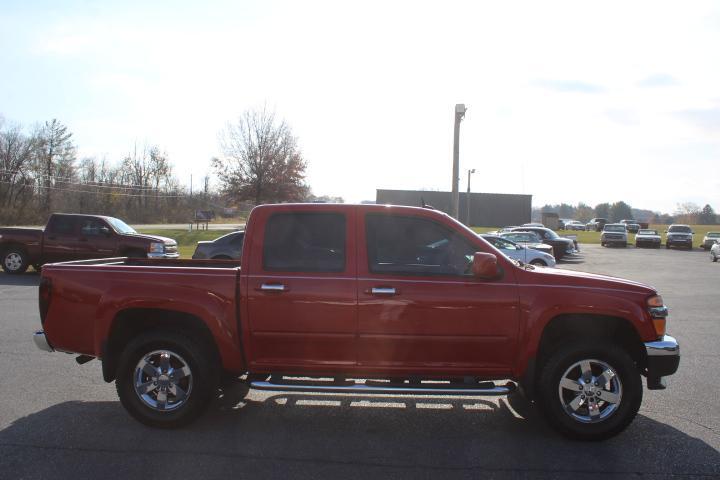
(163, 380)
(590, 391)
(13, 261)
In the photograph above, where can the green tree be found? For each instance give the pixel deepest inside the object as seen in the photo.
(584, 212)
(602, 210)
(620, 211)
(707, 216)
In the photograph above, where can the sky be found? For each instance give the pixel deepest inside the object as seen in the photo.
(567, 101)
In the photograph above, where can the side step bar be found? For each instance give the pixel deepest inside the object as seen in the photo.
(369, 387)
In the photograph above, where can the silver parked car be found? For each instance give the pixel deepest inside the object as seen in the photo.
(614, 233)
(224, 248)
(520, 252)
(709, 240)
(647, 238)
(574, 225)
(528, 239)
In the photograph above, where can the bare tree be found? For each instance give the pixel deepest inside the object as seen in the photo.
(55, 159)
(16, 175)
(261, 160)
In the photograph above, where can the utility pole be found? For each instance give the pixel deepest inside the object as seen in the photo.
(467, 200)
(455, 198)
(191, 185)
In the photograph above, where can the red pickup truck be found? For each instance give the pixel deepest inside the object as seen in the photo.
(77, 237)
(361, 299)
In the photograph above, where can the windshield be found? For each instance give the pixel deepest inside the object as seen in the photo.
(679, 229)
(647, 232)
(119, 226)
(614, 228)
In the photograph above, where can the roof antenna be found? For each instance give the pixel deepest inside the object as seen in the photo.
(425, 205)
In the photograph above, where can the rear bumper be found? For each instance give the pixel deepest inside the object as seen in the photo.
(663, 359)
(41, 342)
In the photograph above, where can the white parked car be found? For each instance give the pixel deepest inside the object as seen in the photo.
(520, 252)
(715, 251)
(647, 238)
(614, 233)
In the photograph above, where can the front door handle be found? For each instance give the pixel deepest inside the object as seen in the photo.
(383, 291)
(273, 287)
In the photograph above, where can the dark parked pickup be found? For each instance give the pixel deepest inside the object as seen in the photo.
(78, 237)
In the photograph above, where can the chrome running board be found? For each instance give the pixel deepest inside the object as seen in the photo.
(481, 389)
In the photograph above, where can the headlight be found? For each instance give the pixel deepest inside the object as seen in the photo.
(156, 248)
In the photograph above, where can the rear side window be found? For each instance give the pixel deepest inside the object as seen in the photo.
(305, 242)
(63, 224)
(237, 239)
(415, 246)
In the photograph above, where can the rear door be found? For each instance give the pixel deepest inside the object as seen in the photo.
(301, 291)
(60, 239)
(420, 309)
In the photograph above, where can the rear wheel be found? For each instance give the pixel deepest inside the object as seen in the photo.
(590, 390)
(14, 261)
(538, 262)
(164, 379)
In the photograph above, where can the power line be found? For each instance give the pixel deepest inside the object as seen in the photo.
(88, 184)
(46, 187)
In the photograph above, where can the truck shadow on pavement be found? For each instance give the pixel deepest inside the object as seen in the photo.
(27, 279)
(308, 435)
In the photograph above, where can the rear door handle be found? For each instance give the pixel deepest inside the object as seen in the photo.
(383, 291)
(273, 287)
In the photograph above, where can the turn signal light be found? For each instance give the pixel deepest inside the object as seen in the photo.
(658, 312)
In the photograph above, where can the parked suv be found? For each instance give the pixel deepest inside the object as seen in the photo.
(614, 233)
(679, 236)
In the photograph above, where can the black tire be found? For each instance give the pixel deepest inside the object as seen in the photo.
(14, 261)
(538, 262)
(624, 245)
(619, 414)
(200, 385)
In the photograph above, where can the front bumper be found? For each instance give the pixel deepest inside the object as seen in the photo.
(41, 342)
(163, 255)
(663, 359)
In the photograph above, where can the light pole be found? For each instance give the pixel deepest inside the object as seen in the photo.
(455, 198)
(467, 200)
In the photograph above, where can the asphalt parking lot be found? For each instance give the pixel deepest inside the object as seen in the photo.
(60, 420)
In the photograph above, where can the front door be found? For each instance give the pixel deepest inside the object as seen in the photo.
(95, 239)
(420, 309)
(301, 300)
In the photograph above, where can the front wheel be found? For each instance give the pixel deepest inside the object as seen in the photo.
(14, 261)
(538, 262)
(165, 379)
(590, 391)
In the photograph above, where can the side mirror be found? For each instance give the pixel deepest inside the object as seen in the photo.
(485, 266)
(105, 231)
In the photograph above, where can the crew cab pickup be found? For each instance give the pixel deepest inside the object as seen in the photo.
(77, 237)
(361, 299)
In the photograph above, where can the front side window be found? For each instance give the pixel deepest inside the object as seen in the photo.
(91, 227)
(305, 242)
(415, 246)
